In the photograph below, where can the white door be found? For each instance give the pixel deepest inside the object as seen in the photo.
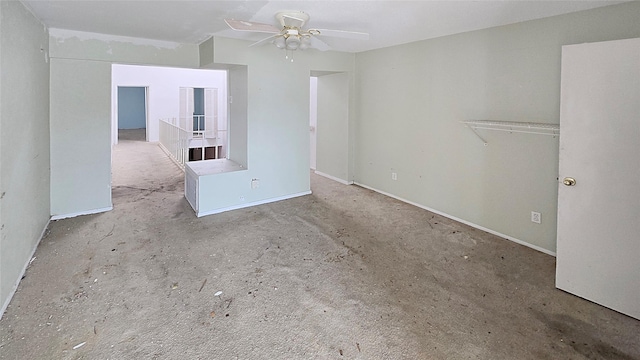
(211, 113)
(186, 109)
(598, 247)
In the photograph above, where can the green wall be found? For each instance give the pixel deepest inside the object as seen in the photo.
(277, 121)
(81, 111)
(411, 99)
(24, 141)
(237, 83)
(80, 136)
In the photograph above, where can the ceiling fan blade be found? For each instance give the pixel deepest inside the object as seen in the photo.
(343, 34)
(319, 44)
(241, 25)
(264, 40)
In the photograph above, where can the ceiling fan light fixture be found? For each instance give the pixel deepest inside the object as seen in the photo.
(305, 42)
(280, 42)
(293, 42)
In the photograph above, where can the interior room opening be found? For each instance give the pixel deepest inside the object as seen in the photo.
(132, 113)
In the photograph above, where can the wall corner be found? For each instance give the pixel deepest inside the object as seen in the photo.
(205, 50)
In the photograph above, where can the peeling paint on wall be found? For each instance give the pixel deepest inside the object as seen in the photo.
(68, 44)
(61, 35)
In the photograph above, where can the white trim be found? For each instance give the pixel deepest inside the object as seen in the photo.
(24, 270)
(341, 181)
(518, 241)
(241, 206)
(88, 212)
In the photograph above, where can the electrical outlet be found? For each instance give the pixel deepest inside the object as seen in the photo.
(394, 176)
(255, 183)
(535, 217)
(241, 198)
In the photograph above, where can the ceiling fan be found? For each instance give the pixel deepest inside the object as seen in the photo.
(291, 36)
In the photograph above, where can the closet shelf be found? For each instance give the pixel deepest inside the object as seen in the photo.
(513, 127)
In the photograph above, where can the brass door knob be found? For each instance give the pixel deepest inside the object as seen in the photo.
(569, 181)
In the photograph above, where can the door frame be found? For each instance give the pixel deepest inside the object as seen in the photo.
(115, 108)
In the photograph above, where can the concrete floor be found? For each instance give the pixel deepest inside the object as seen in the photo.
(344, 273)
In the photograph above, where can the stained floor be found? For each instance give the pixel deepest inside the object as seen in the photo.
(344, 273)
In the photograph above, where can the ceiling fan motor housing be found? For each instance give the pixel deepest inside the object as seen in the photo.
(292, 39)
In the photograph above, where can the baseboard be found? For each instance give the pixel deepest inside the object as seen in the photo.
(88, 212)
(5, 305)
(518, 241)
(255, 203)
(341, 181)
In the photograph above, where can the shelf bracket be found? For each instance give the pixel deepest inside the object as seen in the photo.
(478, 135)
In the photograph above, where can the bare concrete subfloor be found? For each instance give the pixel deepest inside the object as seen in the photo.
(344, 273)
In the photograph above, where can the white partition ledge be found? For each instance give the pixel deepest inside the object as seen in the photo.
(209, 167)
(195, 171)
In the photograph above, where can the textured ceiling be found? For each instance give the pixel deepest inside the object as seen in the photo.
(388, 22)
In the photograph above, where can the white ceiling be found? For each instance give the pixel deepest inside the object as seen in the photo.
(388, 22)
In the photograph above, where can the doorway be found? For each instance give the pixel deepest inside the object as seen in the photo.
(132, 113)
(332, 129)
